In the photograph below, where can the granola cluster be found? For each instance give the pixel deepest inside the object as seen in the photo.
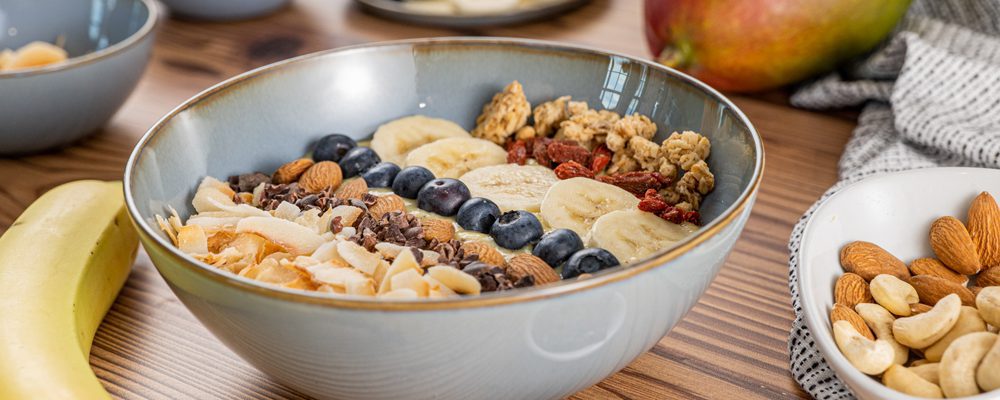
(578, 141)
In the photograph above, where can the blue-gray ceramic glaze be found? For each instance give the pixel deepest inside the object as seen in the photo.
(108, 42)
(397, 10)
(222, 10)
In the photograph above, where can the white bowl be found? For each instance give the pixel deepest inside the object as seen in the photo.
(894, 211)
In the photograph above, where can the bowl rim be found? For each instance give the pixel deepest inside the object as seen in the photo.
(493, 299)
(398, 7)
(153, 17)
(815, 319)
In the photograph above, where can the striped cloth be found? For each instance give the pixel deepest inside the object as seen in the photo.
(931, 97)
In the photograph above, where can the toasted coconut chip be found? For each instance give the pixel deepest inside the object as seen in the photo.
(295, 238)
(358, 257)
(331, 289)
(400, 294)
(380, 271)
(410, 279)
(405, 261)
(215, 223)
(192, 239)
(361, 287)
(167, 229)
(346, 233)
(301, 284)
(254, 246)
(392, 250)
(286, 211)
(327, 252)
(220, 240)
(437, 286)
(348, 214)
(277, 273)
(455, 279)
(310, 219)
(212, 195)
(329, 274)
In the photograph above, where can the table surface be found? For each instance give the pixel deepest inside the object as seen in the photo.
(733, 344)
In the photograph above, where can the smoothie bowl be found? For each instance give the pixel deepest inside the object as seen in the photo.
(447, 218)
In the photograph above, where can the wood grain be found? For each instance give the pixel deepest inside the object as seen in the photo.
(731, 345)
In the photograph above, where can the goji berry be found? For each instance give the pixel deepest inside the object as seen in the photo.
(573, 169)
(653, 202)
(517, 152)
(636, 182)
(538, 151)
(561, 151)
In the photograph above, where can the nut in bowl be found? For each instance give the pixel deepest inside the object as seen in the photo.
(553, 339)
(897, 284)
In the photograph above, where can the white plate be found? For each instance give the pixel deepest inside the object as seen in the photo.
(399, 11)
(894, 211)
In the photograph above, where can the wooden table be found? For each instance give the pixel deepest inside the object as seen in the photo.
(733, 344)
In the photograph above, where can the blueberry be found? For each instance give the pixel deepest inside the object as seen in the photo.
(381, 175)
(443, 196)
(358, 160)
(478, 214)
(515, 229)
(333, 147)
(588, 261)
(409, 181)
(556, 246)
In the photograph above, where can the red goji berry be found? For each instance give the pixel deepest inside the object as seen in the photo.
(561, 151)
(517, 152)
(573, 169)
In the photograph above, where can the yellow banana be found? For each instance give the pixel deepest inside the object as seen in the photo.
(62, 264)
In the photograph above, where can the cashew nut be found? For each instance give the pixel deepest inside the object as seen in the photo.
(957, 370)
(868, 356)
(880, 320)
(893, 294)
(968, 321)
(922, 330)
(928, 371)
(988, 374)
(988, 302)
(901, 379)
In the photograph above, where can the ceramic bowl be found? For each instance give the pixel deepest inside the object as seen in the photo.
(894, 211)
(536, 343)
(108, 42)
(223, 10)
(400, 11)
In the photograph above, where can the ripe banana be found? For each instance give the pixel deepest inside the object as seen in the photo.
(511, 186)
(394, 139)
(62, 264)
(632, 235)
(453, 157)
(576, 203)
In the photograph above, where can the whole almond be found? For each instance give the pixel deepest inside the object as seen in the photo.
(352, 189)
(486, 252)
(442, 230)
(953, 246)
(984, 228)
(930, 266)
(291, 171)
(975, 290)
(919, 308)
(989, 277)
(321, 176)
(386, 203)
(869, 260)
(523, 265)
(851, 290)
(841, 312)
(931, 288)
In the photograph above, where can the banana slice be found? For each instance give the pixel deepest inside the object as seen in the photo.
(632, 235)
(576, 203)
(394, 139)
(453, 157)
(511, 186)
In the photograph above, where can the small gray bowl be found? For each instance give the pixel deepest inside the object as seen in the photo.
(223, 10)
(108, 42)
(537, 343)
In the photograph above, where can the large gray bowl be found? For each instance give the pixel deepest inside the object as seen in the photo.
(109, 43)
(535, 343)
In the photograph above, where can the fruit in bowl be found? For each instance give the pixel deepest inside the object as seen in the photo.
(563, 334)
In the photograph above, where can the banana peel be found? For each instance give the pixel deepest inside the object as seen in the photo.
(62, 264)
